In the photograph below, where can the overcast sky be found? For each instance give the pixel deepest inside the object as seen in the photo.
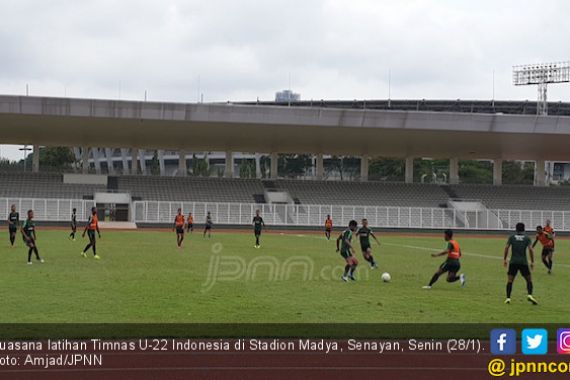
(246, 49)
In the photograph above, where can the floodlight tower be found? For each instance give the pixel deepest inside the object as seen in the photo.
(541, 74)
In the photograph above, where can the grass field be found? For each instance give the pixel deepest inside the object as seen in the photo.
(143, 277)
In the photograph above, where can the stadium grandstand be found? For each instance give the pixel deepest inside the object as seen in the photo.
(119, 144)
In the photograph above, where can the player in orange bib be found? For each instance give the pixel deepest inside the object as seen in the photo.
(92, 227)
(545, 238)
(328, 227)
(179, 226)
(451, 265)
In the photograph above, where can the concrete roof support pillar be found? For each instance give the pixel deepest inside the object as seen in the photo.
(274, 165)
(96, 160)
(454, 171)
(142, 160)
(182, 168)
(36, 159)
(409, 171)
(364, 168)
(85, 160)
(109, 157)
(125, 161)
(320, 167)
(229, 172)
(539, 173)
(497, 172)
(134, 161)
(257, 165)
(161, 166)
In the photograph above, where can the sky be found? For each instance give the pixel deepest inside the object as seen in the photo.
(239, 50)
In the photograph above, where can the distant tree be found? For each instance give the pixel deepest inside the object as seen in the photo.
(265, 166)
(155, 164)
(247, 169)
(52, 158)
(431, 170)
(479, 172)
(200, 166)
(518, 173)
(294, 165)
(386, 169)
(345, 167)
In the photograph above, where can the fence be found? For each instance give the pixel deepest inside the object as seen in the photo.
(52, 210)
(384, 217)
(59, 210)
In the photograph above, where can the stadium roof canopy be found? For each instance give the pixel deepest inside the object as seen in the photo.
(275, 128)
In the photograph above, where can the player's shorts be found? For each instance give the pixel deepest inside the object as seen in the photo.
(208, 226)
(452, 266)
(547, 251)
(12, 229)
(347, 256)
(91, 235)
(74, 227)
(180, 230)
(190, 226)
(365, 247)
(515, 268)
(328, 229)
(257, 231)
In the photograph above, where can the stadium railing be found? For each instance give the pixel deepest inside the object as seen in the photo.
(51, 210)
(156, 212)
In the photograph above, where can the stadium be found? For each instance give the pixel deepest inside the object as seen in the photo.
(143, 276)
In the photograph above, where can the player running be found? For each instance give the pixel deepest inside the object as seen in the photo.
(179, 227)
(92, 227)
(451, 265)
(13, 224)
(364, 233)
(347, 251)
(190, 223)
(328, 227)
(28, 230)
(73, 224)
(547, 241)
(519, 243)
(258, 224)
(208, 226)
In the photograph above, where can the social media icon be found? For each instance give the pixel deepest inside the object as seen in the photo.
(503, 342)
(534, 341)
(563, 341)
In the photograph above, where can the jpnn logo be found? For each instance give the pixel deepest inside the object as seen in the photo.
(563, 342)
(503, 342)
(534, 341)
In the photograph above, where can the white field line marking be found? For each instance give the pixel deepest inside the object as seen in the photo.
(464, 253)
(438, 250)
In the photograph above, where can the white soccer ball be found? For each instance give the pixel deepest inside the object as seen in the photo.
(386, 277)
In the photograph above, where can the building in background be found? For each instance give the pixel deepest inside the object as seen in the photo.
(286, 96)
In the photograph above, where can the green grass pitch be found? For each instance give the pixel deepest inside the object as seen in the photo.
(295, 278)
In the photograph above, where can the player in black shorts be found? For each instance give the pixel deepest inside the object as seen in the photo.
(190, 223)
(519, 243)
(346, 250)
(208, 225)
(258, 224)
(28, 230)
(13, 224)
(73, 224)
(364, 233)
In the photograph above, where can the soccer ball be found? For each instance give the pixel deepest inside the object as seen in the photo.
(386, 277)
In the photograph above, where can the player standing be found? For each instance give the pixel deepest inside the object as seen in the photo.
(347, 251)
(328, 227)
(92, 227)
(364, 233)
(13, 224)
(208, 226)
(519, 243)
(28, 230)
(190, 223)
(73, 224)
(258, 224)
(451, 265)
(179, 227)
(547, 242)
